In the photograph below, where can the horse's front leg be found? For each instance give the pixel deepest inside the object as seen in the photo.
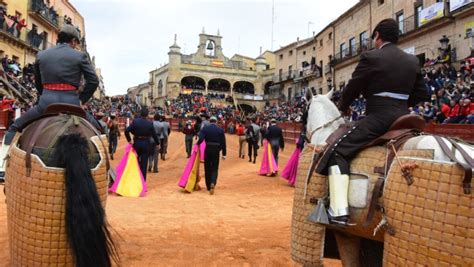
(349, 249)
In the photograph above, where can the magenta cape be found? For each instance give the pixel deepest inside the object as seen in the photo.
(290, 171)
(129, 181)
(190, 177)
(202, 149)
(269, 165)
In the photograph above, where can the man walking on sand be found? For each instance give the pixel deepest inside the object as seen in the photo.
(215, 142)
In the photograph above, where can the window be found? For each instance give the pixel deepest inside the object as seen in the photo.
(304, 53)
(418, 10)
(290, 72)
(352, 45)
(363, 39)
(330, 36)
(343, 50)
(321, 42)
(291, 52)
(281, 56)
(400, 21)
(160, 88)
(381, 2)
(280, 74)
(314, 48)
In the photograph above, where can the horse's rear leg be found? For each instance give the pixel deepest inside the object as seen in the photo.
(349, 247)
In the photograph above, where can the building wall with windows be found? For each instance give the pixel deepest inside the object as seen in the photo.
(209, 71)
(42, 26)
(422, 24)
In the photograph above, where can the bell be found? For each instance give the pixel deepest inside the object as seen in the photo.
(210, 46)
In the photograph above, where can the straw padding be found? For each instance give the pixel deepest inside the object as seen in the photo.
(307, 238)
(36, 209)
(433, 218)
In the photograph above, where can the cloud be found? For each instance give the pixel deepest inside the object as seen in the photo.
(129, 38)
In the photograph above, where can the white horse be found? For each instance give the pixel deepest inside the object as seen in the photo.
(324, 118)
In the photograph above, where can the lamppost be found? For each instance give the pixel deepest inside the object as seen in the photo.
(329, 83)
(444, 50)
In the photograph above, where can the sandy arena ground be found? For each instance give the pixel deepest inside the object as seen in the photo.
(246, 223)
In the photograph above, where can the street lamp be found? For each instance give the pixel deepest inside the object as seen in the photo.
(444, 42)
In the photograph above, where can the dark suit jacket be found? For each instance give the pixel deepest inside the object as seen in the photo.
(62, 64)
(275, 132)
(141, 128)
(385, 70)
(213, 134)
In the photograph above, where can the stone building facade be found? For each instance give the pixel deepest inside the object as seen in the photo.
(423, 24)
(296, 69)
(208, 70)
(42, 26)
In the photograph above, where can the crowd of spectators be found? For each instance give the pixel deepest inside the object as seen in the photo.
(119, 106)
(194, 104)
(13, 24)
(291, 111)
(452, 92)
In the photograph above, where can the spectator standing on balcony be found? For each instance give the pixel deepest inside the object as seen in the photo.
(58, 74)
(3, 13)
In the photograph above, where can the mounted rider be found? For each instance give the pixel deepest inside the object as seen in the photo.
(58, 74)
(391, 81)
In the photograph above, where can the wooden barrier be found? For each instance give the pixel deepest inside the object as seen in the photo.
(462, 131)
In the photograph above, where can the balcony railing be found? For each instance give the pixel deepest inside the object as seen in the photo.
(284, 76)
(28, 37)
(47, 13)
(311, 71)
(355, 50)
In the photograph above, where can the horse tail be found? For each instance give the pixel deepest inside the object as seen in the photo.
(86, 226)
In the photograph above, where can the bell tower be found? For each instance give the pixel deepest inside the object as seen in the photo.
(210, 46)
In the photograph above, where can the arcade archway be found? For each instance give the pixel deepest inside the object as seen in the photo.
(220, 85)
(244, 87)
(193, 82)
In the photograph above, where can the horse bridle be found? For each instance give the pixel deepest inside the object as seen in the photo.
(324, 126)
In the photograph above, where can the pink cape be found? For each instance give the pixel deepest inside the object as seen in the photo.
(291, 168)
(202, 148)
(129, 181)
(190, 176)
(269, 165)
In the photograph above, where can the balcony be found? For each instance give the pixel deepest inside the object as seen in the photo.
(351, 52)
(284, 76)
(47, 15)
(26, 38)
(311, 72)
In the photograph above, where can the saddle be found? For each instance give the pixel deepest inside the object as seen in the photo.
(400, 131)
(39, 136)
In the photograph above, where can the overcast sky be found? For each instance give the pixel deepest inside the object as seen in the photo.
(129, 38)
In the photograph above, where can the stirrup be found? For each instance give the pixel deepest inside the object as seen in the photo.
(319, 213)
